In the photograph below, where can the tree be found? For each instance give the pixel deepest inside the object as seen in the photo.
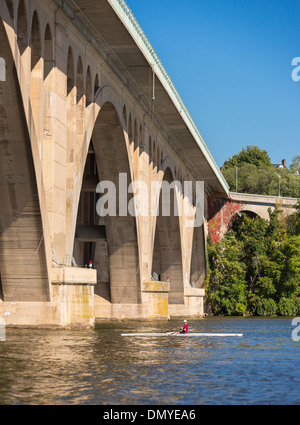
(226, 286)
(295, 166)
(251, 155)
(257, 175)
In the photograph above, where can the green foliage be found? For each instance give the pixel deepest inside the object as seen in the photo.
(287, 307)
(295, 166)
(265, 287)
(296, 220)
(251, 155)
(266, 307)
(227, 287)
(255, 268)
(297, 306)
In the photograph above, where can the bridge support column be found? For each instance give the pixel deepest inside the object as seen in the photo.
(31, 314)
(193, 306)
(155, 305)
(74, 288)
(156, 296)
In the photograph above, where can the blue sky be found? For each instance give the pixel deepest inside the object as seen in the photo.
(230, 61)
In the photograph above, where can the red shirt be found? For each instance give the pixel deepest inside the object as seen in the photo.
(185, 328)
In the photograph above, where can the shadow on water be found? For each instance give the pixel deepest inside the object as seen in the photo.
(101, 367)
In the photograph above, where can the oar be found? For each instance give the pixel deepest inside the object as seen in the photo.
(175, 331)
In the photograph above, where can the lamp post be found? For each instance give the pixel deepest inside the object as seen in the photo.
(279, 186)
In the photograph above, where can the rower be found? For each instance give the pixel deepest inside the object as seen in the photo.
(185, 327)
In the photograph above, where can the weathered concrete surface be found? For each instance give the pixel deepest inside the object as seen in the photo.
(32, 314)
(193, 305)
(155, 295)
(71, 305)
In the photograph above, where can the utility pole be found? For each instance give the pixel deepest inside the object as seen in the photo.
(236, 178)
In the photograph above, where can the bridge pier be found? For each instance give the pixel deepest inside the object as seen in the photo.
(193, 305)
(71, 305)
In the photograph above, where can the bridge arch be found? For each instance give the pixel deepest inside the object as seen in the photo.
(79, 80)
(22, 26)
(110, 242)
(250, 213)
(23, 243)
(89, 87)
(135, 147)
(48, 51)
(150, 149)
(96, 84)
(71, 124)
(125, 115)
(166, 164)
(36, 76)
(198, 268)
(10, 7)
(167, 255)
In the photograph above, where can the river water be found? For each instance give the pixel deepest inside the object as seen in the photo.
(99, 366)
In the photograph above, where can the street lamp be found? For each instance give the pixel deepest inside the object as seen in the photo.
(279, 186)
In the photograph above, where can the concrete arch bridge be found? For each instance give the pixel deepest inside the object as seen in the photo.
(84, 99)
(258, 205)
(221, 211)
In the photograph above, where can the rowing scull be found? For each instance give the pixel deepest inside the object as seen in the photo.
(203, 334)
